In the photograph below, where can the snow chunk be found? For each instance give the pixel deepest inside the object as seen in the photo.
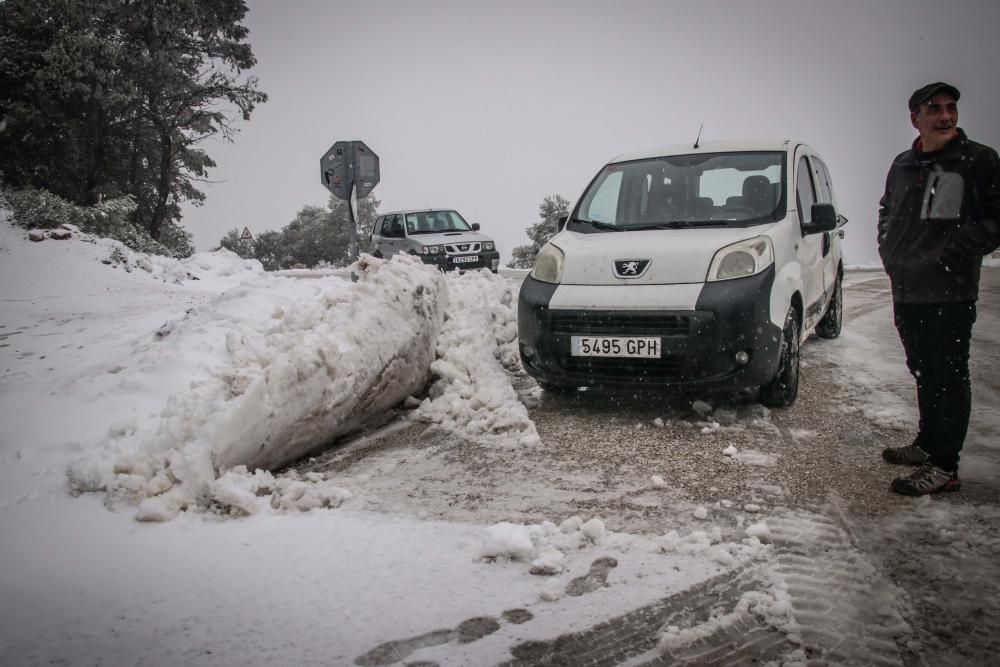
(702, 408)
(760, 531)
(658, 482)
(593, 530)
(507, 539)
(571, 525)
(552, 591)
(550, 562)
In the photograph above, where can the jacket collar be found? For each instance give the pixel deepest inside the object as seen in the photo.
(951, 150)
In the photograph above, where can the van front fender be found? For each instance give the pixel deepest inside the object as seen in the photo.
(787, 284)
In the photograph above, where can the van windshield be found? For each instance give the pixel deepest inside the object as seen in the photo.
(709, 189)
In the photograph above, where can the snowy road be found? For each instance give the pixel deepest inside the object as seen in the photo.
(865, 576)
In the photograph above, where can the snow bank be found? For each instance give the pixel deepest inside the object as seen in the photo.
(286, 365)
(472, 396)
(221, 263)
(255, 369)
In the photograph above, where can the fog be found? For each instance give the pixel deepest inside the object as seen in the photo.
(488, 108)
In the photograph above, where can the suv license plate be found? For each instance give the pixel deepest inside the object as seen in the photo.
(615, 346)
(465, 259)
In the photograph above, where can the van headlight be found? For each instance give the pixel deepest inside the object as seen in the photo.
(487, 245)
(431, 250)
(742, 259)
(548, 265)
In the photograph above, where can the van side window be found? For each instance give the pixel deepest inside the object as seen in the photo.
(805, 195)
(823, 178)
(377, 227)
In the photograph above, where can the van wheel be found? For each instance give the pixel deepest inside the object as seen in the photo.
(783, 388)
(829, 325)
(377, 253)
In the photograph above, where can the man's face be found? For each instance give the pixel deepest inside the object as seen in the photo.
(936, 120)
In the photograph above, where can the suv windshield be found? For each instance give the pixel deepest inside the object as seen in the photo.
(711, 189)
(435, 222)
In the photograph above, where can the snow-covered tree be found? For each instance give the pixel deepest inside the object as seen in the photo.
(105, 98)
(550, 210)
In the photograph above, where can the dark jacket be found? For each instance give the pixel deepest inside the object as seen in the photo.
(939, 216)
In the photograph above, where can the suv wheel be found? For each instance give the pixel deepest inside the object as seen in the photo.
(829, 325)
(783, 388)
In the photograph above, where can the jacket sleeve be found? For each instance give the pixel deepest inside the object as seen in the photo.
(883, 213)
(980, 235)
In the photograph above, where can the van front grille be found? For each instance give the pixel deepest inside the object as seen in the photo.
(618, 323)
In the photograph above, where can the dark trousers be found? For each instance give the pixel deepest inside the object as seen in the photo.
(936, 339)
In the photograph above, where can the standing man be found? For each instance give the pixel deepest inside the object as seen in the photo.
(939, 216)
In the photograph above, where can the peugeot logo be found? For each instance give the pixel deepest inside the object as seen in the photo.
(630, 268)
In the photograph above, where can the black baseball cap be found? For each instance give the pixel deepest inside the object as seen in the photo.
(921, 95)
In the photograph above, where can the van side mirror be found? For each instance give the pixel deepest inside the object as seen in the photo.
(824, 219)
(475, 226)
(561, 222)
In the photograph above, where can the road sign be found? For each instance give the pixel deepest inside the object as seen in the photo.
(246, 235)
(347, 164)
(335, 168)
(350, 171)
(366, 171)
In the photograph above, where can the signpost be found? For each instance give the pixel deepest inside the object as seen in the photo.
(246, 236)
(350, 170)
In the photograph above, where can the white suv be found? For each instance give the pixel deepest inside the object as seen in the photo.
(690, 267)
(440, 237)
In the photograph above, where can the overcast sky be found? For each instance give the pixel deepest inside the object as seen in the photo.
(489, 107)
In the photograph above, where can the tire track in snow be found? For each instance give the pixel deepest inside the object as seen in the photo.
(634, 637)
(843, 612)
(947, 555)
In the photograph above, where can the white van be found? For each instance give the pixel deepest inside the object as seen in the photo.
(690, 267)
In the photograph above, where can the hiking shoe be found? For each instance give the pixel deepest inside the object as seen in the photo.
(911, 455)
(928, 478)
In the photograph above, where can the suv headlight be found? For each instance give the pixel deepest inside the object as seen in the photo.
(548, 264)
(742, 259)
(487, 245)
(431, 250)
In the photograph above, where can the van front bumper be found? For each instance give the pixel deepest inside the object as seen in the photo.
(699, 348)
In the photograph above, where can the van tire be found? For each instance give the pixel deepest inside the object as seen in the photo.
(829, 325)
(783, 388)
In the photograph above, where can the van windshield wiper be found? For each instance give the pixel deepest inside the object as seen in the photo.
(679, 224)
(598, 225)
(666, 224)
